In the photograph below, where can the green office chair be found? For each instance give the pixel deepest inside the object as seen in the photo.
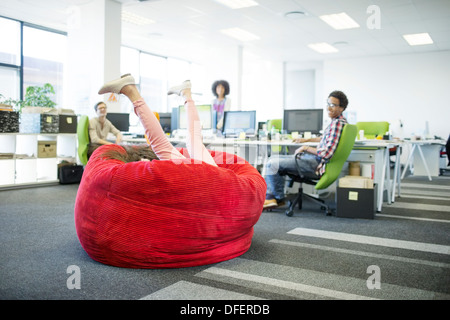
(278, 123)
(83, 139)
(332, 171)
(373, 129)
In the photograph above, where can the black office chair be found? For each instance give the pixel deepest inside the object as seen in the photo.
(299, 197)
(332, 171)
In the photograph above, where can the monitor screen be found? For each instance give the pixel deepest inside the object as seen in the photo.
(204, 112)
(303, 120)
(165, 119)
(235, 122)
(120, 120)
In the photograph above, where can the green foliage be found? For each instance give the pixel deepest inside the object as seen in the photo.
(16, 104)
(36, 96)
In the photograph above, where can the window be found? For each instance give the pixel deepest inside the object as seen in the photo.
(10, 83)
(37, 58)
(44, 58)
(129, 63)
(201, 89)
(10, 44)
(10, 59)
(153, 83)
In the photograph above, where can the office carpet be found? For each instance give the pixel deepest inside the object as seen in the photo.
(402, 254)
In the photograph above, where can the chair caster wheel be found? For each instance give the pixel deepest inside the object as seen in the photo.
(289, 213)
(323, 208)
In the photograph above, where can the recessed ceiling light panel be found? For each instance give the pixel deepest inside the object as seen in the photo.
(239, 34)
(418, 39)
(238, 4)
(340, 21)
(135, 19)
(322, 47)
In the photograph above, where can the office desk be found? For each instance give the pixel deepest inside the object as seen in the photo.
(377, 152)
(429, 157)
(256, 152)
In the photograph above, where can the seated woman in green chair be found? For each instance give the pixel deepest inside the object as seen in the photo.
(313, 160)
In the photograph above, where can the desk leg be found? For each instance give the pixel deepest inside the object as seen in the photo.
(396, 180)
(388, 175)
(381, 186)
(424, 162)
(408, 163)
(264, 162)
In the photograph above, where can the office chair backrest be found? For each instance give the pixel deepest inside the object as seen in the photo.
(83, 138)
(278, 123)
(334, 167)
(373, 129)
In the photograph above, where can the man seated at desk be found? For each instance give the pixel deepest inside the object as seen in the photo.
(100, 127)
(313, 160)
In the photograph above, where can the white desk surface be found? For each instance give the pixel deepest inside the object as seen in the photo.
(429, 141)
(362, 143)
(229, 141)
(377, 143)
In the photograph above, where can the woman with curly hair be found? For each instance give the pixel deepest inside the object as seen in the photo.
(221, 103)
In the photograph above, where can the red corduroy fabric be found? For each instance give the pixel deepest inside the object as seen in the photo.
(167, 214)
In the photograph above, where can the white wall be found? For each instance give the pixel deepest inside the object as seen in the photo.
(262, 87)
(412, 88)
(295, 74)
(300, 89)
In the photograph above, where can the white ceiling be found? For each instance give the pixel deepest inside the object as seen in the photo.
(185, 28)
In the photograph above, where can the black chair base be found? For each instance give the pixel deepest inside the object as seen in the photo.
(299, 200)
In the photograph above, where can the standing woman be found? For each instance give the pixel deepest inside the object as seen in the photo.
(221, 103)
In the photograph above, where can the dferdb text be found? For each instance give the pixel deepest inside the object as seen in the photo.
(246, 309)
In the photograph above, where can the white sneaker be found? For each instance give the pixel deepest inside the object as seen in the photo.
(177, 89)
(116, 85)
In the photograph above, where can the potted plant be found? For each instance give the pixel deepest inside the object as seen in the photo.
(36, 96)
(36, 113)
(15, 105)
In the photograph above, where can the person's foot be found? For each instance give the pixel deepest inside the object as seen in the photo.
(179, 88)
(115, 86)
(273, 203)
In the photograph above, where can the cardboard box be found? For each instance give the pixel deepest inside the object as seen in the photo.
(46, 149)
(356, 182)
(67, 123)
(356, 202)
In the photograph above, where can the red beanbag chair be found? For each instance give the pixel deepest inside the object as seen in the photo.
(167, 214)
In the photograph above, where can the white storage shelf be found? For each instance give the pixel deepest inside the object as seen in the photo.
(19, 161)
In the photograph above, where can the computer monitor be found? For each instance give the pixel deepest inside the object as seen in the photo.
(303, 120)
(235, 122)
(120, 120)
(165, 119)
(204, 112)
(174, 122)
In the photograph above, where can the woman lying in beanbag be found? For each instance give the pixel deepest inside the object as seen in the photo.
(184, 207)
